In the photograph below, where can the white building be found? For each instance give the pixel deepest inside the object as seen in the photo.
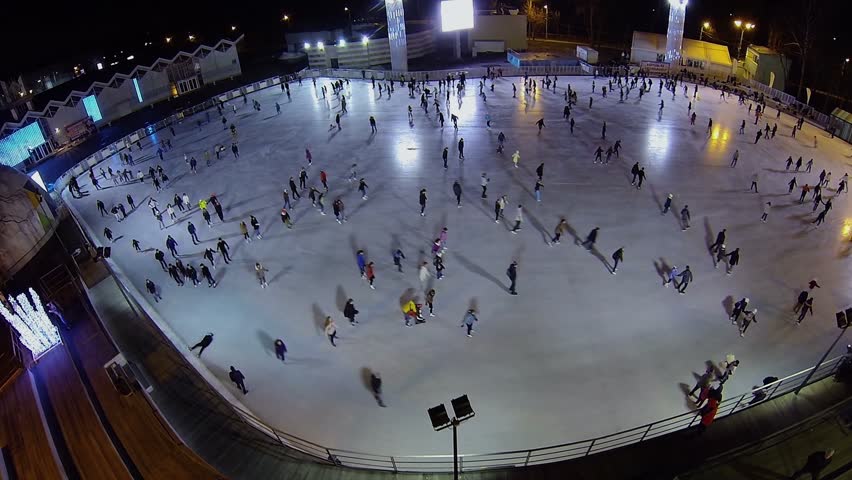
(704, 58)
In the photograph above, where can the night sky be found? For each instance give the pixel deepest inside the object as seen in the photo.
(73, 34)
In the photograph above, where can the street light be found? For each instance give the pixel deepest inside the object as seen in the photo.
(168, 39)
(743, 26)
(842, 324)
(704, 26)
(286, 18)
(843, 68)
(441, 420)
(233, 28)
(545, 21)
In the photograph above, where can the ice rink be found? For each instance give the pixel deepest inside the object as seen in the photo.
(579, 352)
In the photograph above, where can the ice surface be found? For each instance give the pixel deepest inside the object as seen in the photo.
(579, 352)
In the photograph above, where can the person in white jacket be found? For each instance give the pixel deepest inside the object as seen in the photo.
(424, 274)
(519, 217)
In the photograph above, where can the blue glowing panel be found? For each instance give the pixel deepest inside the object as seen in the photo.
(138, 90)
(14, 149)
(92, 109)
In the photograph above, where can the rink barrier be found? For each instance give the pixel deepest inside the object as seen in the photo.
(792, 105)
(419, 463)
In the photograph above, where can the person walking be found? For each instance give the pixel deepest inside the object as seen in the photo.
(808, 306)
(483, 182)
(558, 231)
(424, 274)
(108, 234)
(397, 259)
(516, 157)
(733, 260)
(519, 217)
(685, 278)
(152, 289)
(280, 349)
(754, 179)
(461, 148)
(767, 207)
(376, 388)
(349, 312)
(499, 205)
(641, 178)
(444, 155)
(736, 158)
(617, 257)
(202, 344)
(205, 272)
(457, 191)
(685, 217)
(422, 202)
(239, 379)
(255, 225)
(260, 272)
(749, 318)
(224, 249)
(294, 192)
(512, 273)
(537, 190)
(739, 307)
(330, 328)
(171, 245)
(244, 231)
(668, 205)
(468, 321)
(701, 384)
(800, 301)
(370, 274)
(173, 272)
(729, 368)
(430, 300)
(814, 465)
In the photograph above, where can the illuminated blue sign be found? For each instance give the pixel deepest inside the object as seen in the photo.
(138, 91)
(14, 149)
(92, 109)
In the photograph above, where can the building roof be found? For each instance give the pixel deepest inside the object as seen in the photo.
(761, 50)
(692, 49)
(841, 114)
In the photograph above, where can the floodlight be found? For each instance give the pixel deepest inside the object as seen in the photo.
(365, 40)
(307, 46)
(462, 409)
(456, 15)
(738, 23)
(440, 418)
(320, 45)
(341, 42)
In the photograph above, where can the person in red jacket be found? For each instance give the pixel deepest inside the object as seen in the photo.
(371, 275)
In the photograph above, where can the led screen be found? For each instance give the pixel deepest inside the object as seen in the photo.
(92, 109)
(456, 15)
(14, 149)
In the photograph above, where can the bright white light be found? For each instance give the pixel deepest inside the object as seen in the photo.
(364, 39)
(456, 15)
(100, 66)
(341, 42)
(29, 319)
(37, 176)
(131, 57)
(233, 28)
(56, 130)
(307, 46)
(678, 3)
(320, 45)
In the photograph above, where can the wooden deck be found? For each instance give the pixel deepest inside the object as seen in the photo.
(22, 434)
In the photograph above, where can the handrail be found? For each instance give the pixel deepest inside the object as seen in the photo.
(473, 461)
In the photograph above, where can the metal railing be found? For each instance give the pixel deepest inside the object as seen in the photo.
(444, 463)
(537, 456)
(472, 73)
(790, 104)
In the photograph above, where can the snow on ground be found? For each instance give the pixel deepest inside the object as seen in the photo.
(579, 352)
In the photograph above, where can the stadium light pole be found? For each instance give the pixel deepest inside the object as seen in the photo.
(842, 325)
(545, 21)
(743, 26)
(704, 26)
(441, 420)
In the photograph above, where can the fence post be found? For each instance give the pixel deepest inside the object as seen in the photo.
(774, 390)
(332, 458)
(393, 462)
(589, 450)
(646, 432)
(527, 460)
(737, 404)
(693, 419)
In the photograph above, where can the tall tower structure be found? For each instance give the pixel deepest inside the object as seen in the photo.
(674, 34)
(396, 35)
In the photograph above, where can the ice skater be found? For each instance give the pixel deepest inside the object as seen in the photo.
(398, 256)
(617, 257)
(519, 217)
(223, 248)
(239, 379)
(260, 273)
(685, 278)
(685, 217)
(767, 207)
(205, 342)
(330, 328)
(468, 321)
(349, 312)
(422, 202)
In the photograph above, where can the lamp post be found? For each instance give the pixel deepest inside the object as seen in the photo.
(843, 67)
(545, 21)
(842, 325)
(743, 26)
(441, 420)
(704, 26)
